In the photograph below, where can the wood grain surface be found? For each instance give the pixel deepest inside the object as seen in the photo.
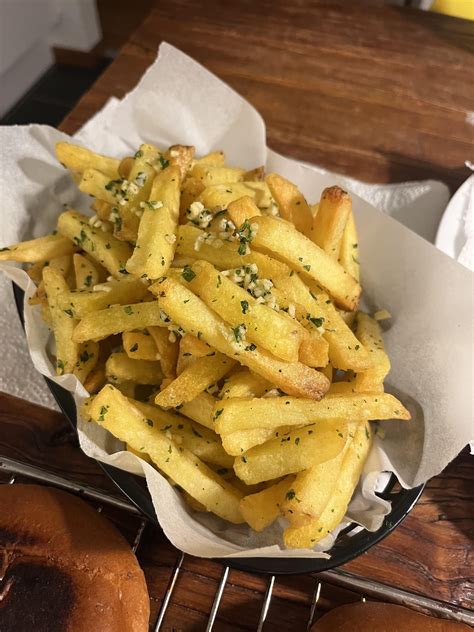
(377, 92)
(430, 553)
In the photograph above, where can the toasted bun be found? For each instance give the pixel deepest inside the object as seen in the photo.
(64, 567)
(382, 617)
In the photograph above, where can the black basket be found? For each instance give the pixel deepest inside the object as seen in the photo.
(350, 543)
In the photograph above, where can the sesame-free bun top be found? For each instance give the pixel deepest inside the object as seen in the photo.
(64, 567)
(382, 617)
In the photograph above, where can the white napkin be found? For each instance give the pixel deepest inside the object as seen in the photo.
(177, 100)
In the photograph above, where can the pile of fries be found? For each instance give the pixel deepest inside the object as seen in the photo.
(211, 313)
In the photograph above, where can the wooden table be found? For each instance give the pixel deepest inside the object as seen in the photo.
(375, 92)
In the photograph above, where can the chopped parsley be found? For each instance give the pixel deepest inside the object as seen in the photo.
(245, 306)
(138, 154)
(60, 365)
(85, 356)
(218, 413)
(149, 422)
(317, 322)
(128, 310)
(188, 274)
(290, 494)
(88, 280)
(239, 332)
(134, 348)
(102, 412)
(163, 162)
(69, 312)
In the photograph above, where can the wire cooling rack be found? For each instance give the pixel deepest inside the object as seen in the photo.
(355, 588)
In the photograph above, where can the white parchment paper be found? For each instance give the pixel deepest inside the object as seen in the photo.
(429, 295)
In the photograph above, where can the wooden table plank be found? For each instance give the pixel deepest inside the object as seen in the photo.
(376, 92)
(429, 553)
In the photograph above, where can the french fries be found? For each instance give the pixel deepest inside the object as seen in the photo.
(309, 534)
(261, 509)
(237, 307)
(349, 250)
(272, 412)
(291, 202)
(120, 368)
(114, 320)
(224, 297)
(123, 292)
(87, 274)
(311, 490)
(225, 257)
(140, 345)
(156, 240)
(36, 250)
(79, 159)
(330, 221)
(114, 412)
(193, 315)
(200, 409)
(369, 333)
(194, 380)
(62, 321)
(293, 452)
(284, 242)
(103, 247)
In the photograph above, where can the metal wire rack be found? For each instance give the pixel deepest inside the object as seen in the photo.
(361, 588)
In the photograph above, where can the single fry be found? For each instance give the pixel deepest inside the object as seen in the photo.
(38, 250)
(243, 209)
(261, 509)
(120, 368)
(210, 175)
(88, 357)
(193, 315)
(291, 202)
(200, 409)
(181, 156)
(244, 383)
(103, 247)
(293, 452)
(78, 159)
(217, 197)
(215, 159)
(349, 251)
(272, 412)
(194, 380)
(156, 242)
(87, 274)
(370, 335)
(334, 210)
(190, 349)
(62, 322)
(126, 291)
(284, 242)
(226, 257)
(116, 319)
(345, 351)
(114, 412)
(167, 349)
(262, 325)
(238, 442)
(139, 346)
(308, 535)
